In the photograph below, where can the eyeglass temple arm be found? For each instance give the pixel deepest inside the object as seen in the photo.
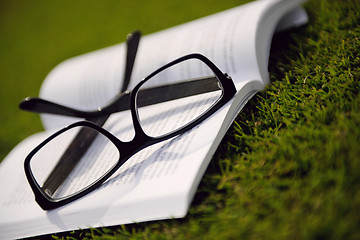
(150, 96)
(84, 138)
(39, 105)
(69, 159)
(132, 43)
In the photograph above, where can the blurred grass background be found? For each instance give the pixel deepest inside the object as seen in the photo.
(289, 166)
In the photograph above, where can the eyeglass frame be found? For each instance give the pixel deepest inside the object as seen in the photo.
(140, 141)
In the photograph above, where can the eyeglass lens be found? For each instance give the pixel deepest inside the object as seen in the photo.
(168, 116)
(81, 164)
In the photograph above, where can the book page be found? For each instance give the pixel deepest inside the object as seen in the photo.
(226, 38)
(231, 39)
(156, 183)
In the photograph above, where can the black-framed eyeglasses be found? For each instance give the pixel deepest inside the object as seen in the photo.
(70, 163)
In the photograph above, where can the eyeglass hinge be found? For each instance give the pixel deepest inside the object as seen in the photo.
(227, 76)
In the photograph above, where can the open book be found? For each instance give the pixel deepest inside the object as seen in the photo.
(160, 181)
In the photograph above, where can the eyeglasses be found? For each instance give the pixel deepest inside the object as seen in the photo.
(82, 156)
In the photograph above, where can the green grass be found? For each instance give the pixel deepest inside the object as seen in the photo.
(288, 167)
